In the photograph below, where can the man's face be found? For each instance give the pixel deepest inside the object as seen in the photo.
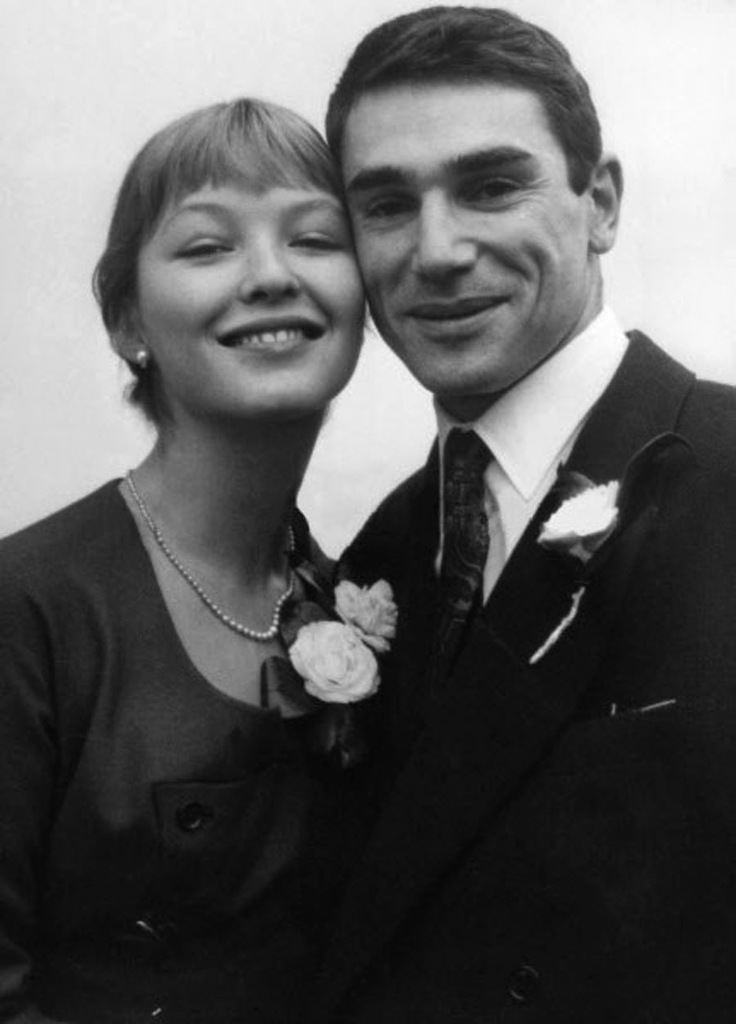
(478, 257)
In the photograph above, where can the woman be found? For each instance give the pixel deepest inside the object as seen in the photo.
(166, 844)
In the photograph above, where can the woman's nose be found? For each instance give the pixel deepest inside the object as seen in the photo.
(267, 275)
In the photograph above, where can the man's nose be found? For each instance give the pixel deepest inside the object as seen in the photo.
(267, 275)
(442, 246)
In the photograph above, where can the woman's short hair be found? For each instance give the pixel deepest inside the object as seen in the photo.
(247, 141)
(461, 45)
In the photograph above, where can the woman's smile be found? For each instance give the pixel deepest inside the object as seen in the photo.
(277, 335)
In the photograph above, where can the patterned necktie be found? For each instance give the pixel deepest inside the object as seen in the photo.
(465, 540)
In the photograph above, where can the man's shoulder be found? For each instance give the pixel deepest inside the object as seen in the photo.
(381, 542)
(708, 421)
(704, 411)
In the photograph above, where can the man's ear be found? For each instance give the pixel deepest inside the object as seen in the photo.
(605, 189)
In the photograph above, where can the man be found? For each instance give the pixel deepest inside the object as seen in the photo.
(556, 841)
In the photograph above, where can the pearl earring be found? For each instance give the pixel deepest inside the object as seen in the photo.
(142, 358)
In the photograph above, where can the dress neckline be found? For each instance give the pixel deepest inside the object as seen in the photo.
(170, 633)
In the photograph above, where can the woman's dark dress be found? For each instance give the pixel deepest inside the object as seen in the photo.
(167, 853)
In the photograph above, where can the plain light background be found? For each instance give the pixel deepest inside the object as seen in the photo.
(85, 82)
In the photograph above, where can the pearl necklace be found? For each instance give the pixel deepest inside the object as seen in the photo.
(260, 636)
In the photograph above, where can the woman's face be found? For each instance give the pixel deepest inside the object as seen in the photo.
(250, 302)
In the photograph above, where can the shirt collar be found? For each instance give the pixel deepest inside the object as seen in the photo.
(529, 427)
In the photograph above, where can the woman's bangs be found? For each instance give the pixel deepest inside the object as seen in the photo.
(254, 149)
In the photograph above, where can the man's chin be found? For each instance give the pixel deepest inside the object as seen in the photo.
(467, 406)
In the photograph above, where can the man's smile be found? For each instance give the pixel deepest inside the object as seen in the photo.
(460, 318)
(449, 310)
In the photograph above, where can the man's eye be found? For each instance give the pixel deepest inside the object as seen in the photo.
(386, 207)
(491, 190)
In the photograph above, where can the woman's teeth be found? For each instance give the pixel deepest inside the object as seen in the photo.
(266, 339)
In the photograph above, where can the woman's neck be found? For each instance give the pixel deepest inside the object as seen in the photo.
(224, 497)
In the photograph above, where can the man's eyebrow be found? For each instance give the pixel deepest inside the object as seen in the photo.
(489, 159)
(376, 177)
(387, 176)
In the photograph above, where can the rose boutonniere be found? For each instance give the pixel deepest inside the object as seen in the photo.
(334, 639)
(580, 527)
(583, 522)
(590, 516)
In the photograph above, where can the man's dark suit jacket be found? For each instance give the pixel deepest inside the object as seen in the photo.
(558, 841)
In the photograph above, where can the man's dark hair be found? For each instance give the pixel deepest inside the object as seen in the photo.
(462, 45)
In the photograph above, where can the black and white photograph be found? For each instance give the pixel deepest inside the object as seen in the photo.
(368, 512)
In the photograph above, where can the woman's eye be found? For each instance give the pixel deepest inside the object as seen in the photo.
(318, 242)
(203, 250)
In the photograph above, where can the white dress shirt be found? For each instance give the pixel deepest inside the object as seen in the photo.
(531, 429)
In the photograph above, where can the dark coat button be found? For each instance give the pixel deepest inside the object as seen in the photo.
(524, 984)
(193, 817)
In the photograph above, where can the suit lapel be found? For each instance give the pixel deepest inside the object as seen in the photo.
(642, 402)
(498, 714)
(417, 591)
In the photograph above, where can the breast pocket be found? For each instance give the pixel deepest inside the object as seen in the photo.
(635, 804)
(225, 843)
(623, 735)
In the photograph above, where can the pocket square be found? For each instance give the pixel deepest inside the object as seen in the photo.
(615, 710)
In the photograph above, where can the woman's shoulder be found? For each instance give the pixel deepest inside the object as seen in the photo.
(84, 534)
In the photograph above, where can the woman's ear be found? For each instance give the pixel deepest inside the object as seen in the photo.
(605, 189)
(129, 342)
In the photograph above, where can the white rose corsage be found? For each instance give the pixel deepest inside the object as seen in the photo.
(579, 528)
(370, 611)
(336, 665)
(335, 639)
(336, 659)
